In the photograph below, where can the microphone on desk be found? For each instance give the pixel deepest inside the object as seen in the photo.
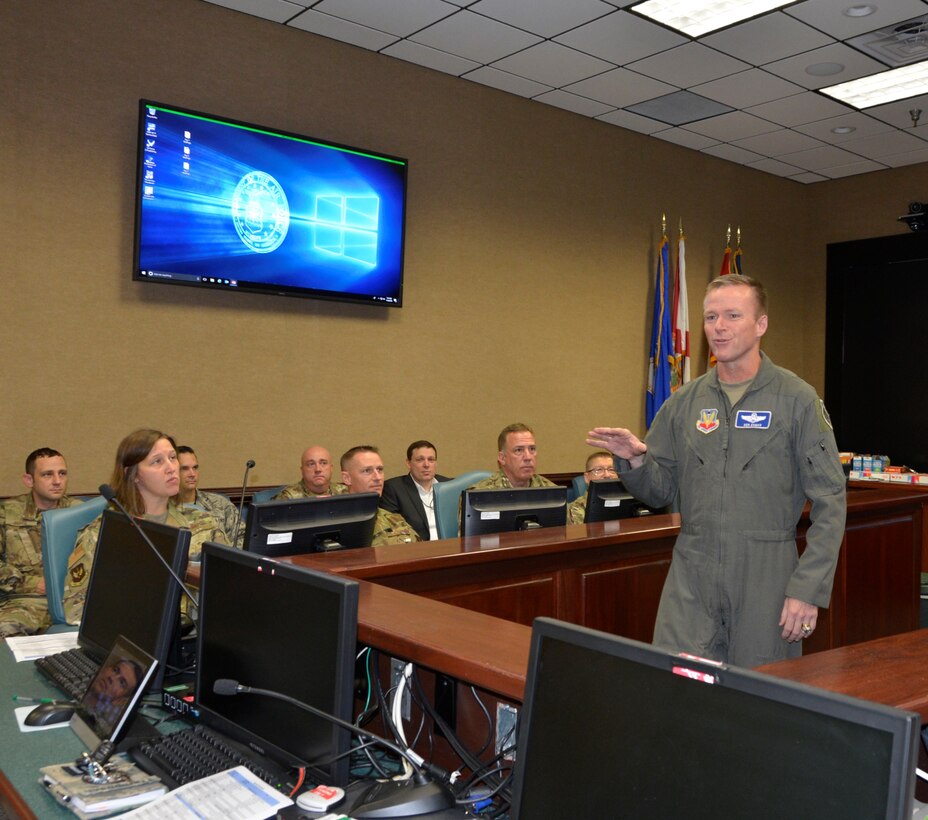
(107, 492)
(241, 501)
(393, 798)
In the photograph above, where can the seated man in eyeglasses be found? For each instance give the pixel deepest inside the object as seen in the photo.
(598, 465)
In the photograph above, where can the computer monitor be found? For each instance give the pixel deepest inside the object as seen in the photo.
(615, 728)
(301, 525)
(484, 512)
(292, 630)
(110, 699)
(608, 500)
(131, 593)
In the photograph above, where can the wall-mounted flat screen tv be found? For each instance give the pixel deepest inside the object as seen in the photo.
(231, 206)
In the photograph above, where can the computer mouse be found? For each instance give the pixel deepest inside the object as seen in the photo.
(46, 714)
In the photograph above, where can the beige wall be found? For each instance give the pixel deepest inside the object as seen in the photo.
(531, 239)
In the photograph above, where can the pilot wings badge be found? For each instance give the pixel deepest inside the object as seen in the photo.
(708, 421)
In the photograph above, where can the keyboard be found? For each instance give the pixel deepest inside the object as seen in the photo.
(198, 752)
(71, 671)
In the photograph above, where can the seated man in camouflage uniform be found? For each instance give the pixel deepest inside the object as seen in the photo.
(517, 458)
(598, 465)
(362, 472)
(23, 605)
(316, 481)
(216, 505)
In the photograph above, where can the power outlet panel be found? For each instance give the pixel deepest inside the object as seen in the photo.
(506, 717)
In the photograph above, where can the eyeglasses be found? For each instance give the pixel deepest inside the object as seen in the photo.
(599, 472)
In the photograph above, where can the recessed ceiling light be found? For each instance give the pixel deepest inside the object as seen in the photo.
(824, 69)
(697, 17)
(885, 87)
(859, 11)
(843, 129)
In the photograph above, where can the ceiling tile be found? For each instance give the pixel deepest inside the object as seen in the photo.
(863, 166)
(553, 64)
(808, 177)
(747, 88)
(899, 114)
(279, 11)
(774, 166)
(620, 38)
(507, 82)
(343, 30)
(633, 122)
(777, 143)
(734, 126)
(855, 65)
(799, 109)
(688, 65)
(863, 126)
(546, 18)
(400, 17)
(686, 138)
(815, 159)
(828, 16)
(732, 153)
(908, 158)
(474, 37)
(680, 108)
(429, 57)
(884, 144)
(620, 87)
(579, 105)
(767, 38)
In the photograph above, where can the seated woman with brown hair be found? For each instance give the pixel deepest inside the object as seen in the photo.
(145, 479)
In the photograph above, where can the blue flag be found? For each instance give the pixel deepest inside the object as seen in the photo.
(659, 364)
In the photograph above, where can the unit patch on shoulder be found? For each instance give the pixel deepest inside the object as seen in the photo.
(753, 419)
(708, 421)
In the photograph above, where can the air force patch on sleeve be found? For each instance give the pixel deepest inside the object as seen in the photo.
(753, 419)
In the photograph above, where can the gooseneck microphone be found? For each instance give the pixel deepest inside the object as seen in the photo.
(393, 798)
(107, 492)
(241, 501)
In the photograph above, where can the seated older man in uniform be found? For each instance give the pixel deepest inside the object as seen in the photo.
(316, 481)
(23, 605)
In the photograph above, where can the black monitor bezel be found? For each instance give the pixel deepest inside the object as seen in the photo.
(314, 516)
(598, 649)
(287, 628)
(600, 492)
(106, 604)
(512, 504)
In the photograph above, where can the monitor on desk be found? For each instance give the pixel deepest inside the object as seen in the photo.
(301, 525)
(484, 512)
(608, 500)
(130, 593)
(277, 626)
(612, 727)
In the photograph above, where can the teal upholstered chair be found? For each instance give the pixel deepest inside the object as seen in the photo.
(59, 535)
(447, 496)
(268, 494)
(577, 488)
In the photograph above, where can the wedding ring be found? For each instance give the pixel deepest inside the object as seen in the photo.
(806, 628)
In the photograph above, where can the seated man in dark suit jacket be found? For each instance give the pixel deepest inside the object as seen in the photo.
(412, 495)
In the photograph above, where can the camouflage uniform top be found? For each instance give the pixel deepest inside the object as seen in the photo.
(21, 567)
(392, 528)
(224, 511)
(500, 481)
(299, 490)
(203, 527)
(576, 510)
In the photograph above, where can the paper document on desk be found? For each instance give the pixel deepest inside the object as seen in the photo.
(233, 795)
(30, 647)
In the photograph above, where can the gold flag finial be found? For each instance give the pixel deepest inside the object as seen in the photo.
(739, 236)
(728, 236)
(681, 226)
(663, 224)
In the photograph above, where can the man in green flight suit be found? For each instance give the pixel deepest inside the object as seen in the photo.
(742, 448)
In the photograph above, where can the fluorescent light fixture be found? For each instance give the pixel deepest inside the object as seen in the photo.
(697, 17)
(885, 87)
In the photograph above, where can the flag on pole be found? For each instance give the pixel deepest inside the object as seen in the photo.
(661, 337)
(680, 374)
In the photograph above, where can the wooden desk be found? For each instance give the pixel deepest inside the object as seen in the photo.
(421, 601)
